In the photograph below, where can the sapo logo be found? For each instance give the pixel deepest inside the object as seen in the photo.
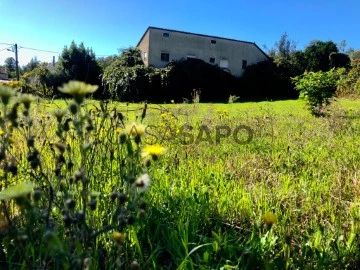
(187, 134)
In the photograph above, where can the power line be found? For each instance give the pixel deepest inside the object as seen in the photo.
(39, 50)
(6, 44)
(5, 49)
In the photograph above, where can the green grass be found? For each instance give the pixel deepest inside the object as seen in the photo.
(209, 203)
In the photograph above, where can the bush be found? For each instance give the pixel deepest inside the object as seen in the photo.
(318, 88)
(349, 83)
(183, 76)
(266, 80)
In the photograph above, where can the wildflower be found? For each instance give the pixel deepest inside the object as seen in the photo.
(26, 100)
(118, 130)
(172, 101)
(269, 218)
(1, 132)
(6, 93)
(163, 115)
(78, 90)
(59, 114)
(154, 151)
(135, 129)
(119, 237)
(142, 183)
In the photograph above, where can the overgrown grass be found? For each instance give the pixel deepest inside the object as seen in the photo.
(287, 199)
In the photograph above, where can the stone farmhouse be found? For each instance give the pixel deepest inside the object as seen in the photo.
(159, 46)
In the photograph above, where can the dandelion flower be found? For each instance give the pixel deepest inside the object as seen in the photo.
(269, 218)
(78, 90)
(154, 151)
(26, 99)
(59, 114)
(119, 237)
(5, 94)
(142, 183)
(135, 129)
(118, 130)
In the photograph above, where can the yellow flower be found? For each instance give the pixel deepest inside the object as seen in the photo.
(1, 132)
(154, 151)
(135, 129)
(269, 218)
(78, 90)
(118, 130)
(163, 115)
(119, 237)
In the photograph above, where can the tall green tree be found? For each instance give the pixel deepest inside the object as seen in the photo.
(34, 63)
(339, 60)
(130, 57)
(10, 64)
(79, 63)
(317, 55)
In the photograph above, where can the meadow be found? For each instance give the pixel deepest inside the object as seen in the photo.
(284, 194)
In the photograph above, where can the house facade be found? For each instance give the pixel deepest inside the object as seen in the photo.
(159, 46)
(3, 74)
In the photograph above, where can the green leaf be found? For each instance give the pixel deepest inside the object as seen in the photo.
(16, 191)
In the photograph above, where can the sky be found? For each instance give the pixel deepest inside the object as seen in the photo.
(109, 25)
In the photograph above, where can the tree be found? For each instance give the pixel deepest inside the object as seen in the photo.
(354, 55)
(10, 64)
(317, 55)
(126, 77)
(104, 62)
(339, 60)
(31, 65)
(79, 63)
(130, 57)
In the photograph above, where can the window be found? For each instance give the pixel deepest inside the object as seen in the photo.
(145, 55)
(213, 41)
(165, 57)
(165, 34)
(224, 63)
(244, 64)
(212, 60)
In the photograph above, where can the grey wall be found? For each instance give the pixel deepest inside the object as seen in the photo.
(180, 45)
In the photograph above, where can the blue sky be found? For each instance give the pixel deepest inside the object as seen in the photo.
(108, 25)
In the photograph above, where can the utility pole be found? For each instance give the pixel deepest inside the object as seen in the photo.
(16, 61)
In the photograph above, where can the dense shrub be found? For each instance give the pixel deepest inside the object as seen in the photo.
(265, 80)
(350, 83)
(318, 88)
(183, 76)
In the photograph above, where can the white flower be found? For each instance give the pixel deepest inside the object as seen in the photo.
(142, 183)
